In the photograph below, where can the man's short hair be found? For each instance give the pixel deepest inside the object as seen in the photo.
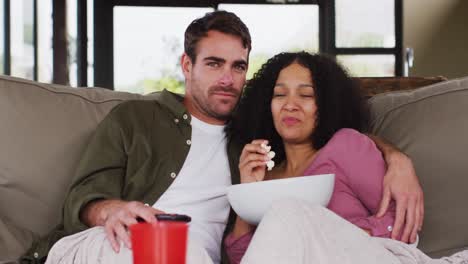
(222, 21)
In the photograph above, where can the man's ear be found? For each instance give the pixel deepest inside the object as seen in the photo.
(186, 64)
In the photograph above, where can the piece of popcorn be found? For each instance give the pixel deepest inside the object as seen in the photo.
(265, 147)
(270, 164)
(271, 154)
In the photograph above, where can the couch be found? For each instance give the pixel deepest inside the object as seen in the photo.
(45, 128)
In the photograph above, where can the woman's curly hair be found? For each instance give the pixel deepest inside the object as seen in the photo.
(338, 98)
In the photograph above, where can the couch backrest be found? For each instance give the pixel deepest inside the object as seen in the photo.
(44, 130)
(371, 86)
(430, 124)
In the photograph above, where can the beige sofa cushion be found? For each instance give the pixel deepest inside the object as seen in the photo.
(13, 241)
(431, 125)
(44, 130)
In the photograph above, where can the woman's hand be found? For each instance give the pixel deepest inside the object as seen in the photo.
(252, 163)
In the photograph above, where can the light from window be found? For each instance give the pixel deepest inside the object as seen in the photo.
(148, 44)
(22, 45)
(277, 28)
(45, 52)
(90, 13)
(72, 30)
(365, 23)
(368, 65)
(2, 38)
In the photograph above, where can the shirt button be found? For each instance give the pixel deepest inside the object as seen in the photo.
(173, 175)
(389, 228)
(36, 255)
(189, 142)
(185, 116)
(176, 120)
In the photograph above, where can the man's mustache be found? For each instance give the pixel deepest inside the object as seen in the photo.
(228, 89)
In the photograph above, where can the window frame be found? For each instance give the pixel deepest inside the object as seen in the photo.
(328, 43)
(6, 38)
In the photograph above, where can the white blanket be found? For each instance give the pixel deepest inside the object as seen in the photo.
(307, 234)
(92, 246)
(410, 255)
(293, 231)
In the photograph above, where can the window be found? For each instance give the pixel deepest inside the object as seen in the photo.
(26, 39)
(147, 59)
(365, 23)
(271, 35)
(22, 40)
(89, 46)
(138, 43)
(368, 37)
(144, 62)
(2, 37)
(153, 61)
(368, 65)
(26, 35)
(72, 35)
(45, 41)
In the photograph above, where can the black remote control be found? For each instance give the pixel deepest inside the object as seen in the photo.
(169, 217)
(174, 217)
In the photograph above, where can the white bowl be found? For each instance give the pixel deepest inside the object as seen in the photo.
(252, 200)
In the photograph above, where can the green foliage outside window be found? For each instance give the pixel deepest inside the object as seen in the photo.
(168, 82)
(174, 83)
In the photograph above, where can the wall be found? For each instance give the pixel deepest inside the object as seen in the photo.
(437, 30)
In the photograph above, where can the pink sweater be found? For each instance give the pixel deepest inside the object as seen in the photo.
(359, 169)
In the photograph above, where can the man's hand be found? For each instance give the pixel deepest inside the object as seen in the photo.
(402, 185)
(116, 216)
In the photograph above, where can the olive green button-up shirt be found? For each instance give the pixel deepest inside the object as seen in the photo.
(135, 154)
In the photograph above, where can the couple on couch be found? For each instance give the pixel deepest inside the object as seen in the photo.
(179, 154)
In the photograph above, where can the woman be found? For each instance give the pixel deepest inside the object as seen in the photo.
(312, 115)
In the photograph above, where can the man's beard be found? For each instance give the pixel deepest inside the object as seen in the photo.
(204, 106)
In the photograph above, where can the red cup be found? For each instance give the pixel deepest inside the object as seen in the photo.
(162, 242)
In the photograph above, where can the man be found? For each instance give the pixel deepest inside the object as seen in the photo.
(171, 154)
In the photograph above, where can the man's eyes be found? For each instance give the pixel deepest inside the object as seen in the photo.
(241, 67)
(213, 64)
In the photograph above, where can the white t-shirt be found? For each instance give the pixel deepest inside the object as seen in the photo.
(200, 188)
